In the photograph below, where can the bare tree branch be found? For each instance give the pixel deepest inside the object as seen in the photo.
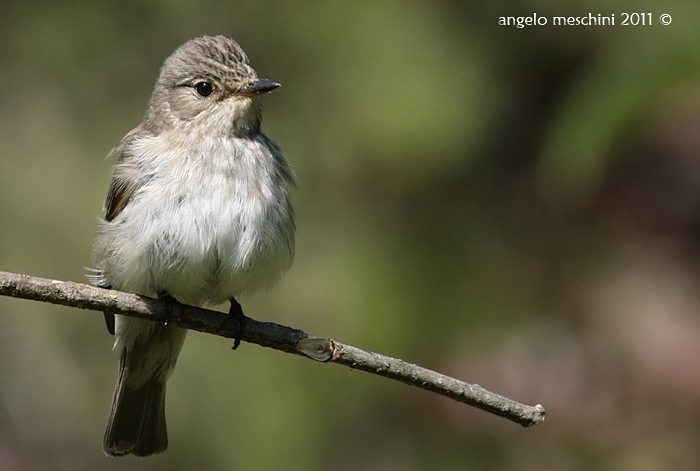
(266, 334)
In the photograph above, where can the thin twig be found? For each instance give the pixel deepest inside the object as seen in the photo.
(266, 334)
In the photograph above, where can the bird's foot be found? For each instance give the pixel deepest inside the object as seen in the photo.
(170, 305)
(237, 312)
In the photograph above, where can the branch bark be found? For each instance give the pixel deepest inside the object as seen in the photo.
(266, 334)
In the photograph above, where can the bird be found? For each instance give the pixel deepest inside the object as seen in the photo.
(198, 212)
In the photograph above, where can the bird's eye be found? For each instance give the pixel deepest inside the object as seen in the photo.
(204, 89)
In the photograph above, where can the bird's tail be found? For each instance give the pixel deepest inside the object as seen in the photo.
(137, 420)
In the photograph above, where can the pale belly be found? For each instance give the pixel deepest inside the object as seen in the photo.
(201, 240)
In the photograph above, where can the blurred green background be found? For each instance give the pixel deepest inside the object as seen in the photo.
(518, 208)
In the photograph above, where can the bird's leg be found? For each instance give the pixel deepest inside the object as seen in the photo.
(237, 312)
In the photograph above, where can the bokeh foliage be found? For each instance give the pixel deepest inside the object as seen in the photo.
(515, 207)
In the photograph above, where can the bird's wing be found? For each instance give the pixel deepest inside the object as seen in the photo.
(126, 180)
(127, 177)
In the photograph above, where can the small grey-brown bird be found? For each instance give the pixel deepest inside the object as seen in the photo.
(198, 210)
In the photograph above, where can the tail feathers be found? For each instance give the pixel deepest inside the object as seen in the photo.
(137, 421)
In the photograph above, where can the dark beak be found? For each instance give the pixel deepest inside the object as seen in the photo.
(259, 87)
